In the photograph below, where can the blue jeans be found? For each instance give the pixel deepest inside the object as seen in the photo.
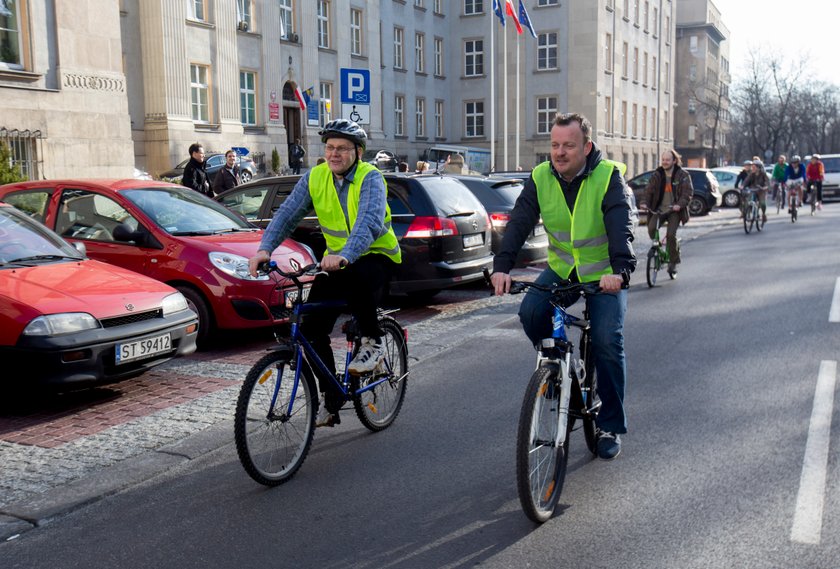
(606, 315)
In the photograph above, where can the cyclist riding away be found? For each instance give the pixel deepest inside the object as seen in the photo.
(349, 197)
(668, 190)
(815, 175)
(757, 182)
(777, 179)
(586, 211)
(794, 180)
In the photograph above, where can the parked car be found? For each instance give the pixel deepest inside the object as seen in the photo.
(726, 176)
(498, 196)
(215, 162)
(141, 174)
(443, 230)
(384, 160)
(706, 191)
(68, 320)
(521, 175)
(172, 234)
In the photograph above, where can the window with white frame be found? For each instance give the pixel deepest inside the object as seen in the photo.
(418, 3)
(474, 115)
(399, 115)
(692, 132)
(286, 18)
(197, 10)
(419, 52)
(399, 43)
(323, 21)
(473, 7)
(547, 3)
(547, 51)
(248, 97)
(473, 58)
(420, 118)
(244, 14)
(200, 93)
(438, 119)
(608, 114)
(11, 37)
(438, 7)
(325, 103)
(438, 57)
(355, 32)
(546, 111)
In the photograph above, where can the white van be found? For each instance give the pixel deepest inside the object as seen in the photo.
(831, 184)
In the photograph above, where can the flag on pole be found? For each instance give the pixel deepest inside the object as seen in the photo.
(525, 20)
(307, 95)
(512, 13)
(497, 8)
(301, 100)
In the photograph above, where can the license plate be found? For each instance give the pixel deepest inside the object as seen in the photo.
(474, 240)
(145, 348)
(292, 295)
(539, 230)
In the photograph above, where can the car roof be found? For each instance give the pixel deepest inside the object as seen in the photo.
(102, 183)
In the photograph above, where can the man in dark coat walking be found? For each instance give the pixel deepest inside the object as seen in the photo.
(195, 173)
(296, 154)
(228, 176)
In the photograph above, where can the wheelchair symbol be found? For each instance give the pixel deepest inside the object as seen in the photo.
(354, 116)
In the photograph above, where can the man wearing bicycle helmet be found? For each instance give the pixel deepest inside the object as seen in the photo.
(794, 179)
(585, 207)
(349, 198)
(815, 174)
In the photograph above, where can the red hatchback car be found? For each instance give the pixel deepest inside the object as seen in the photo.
(170, 233)
(68, 320)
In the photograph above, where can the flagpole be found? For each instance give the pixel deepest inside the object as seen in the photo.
(505, 101)
(492, 96)
(516, 161)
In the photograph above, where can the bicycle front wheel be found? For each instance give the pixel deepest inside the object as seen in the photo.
(274, 423)
(653, 265)
(378, 407)
(748, 218)
(541, 458)
(589, 391)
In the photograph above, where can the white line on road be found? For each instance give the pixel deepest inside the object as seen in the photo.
(807, 519)
(834, 313)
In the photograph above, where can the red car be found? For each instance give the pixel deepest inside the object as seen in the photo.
(172, 234)
(65, 319)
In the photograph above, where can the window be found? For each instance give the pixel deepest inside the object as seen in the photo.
(547, 51)
(608, 53)
(636, 12)
(644, 128)
(655, 22)
(692, 106)
(418, 3)
(634, 120)
(626, 11)
(419, 48)
(608, 114)
(420, 118)
(654, 73)
(91, 216)
(399, 61)
(667, 125)
(473, 7)
(23, 152)
(474, 58)
(692, 44)
(248, 97)
(199, 93)
(11, 41)
(355, 32)
(623, 118)
(647, 15)
(286, 19)
(635, 64)
(438, 7)
(325, 103)
(692, 133)
(474, 115)
(668, 29)
(625, 55)
(323, 18)
(667, 76)
(438, 57)
(546, 111)
(438, 119)
(197, 10)
(692, 72)
(645, 68)
(399, 115)
(653, 124)
(547, 3)
(244, 15)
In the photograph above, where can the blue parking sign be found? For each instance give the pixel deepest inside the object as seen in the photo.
(355, 86)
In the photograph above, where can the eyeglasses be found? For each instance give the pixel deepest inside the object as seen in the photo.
(329, 149)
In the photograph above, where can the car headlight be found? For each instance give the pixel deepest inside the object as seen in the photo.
(173, 303)
(234, 265)
(57, 324)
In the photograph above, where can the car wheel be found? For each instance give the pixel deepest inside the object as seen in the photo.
(245, 176)
(198, 305)
(732, 198)
(697, 207)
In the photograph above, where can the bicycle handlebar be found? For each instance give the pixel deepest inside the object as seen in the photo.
(268, 267)
(517, 287)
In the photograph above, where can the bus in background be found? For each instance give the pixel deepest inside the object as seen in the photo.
(476, 160)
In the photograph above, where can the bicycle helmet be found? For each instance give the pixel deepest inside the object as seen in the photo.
(343, 128)
(817, 156)
(757, 162)
(796, 158)
(748, 162)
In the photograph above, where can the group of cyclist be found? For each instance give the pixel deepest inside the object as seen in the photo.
(790, 178)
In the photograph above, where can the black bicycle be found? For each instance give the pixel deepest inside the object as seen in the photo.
(277, 405)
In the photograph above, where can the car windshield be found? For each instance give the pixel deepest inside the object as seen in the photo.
(182, 165)
(181, 211)
(24, 241)
(450, 196)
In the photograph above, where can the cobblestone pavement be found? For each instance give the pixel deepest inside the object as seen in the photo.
(57, 443)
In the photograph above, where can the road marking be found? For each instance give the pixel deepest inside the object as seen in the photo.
(807, 519)
(834, 313)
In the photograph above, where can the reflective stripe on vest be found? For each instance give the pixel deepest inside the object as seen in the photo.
(576, 241)
(331, 215)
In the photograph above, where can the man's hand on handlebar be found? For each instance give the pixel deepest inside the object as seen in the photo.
(611, 283)
(501, 283)
(333, 262)
(254, 262)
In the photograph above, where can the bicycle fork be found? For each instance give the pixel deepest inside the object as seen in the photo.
(562, 381)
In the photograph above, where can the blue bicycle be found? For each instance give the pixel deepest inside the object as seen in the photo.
(277, 405)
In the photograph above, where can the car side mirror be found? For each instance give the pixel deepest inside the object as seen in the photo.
(80, 247)
(123, 232)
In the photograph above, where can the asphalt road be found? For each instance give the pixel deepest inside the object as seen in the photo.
(723, 365)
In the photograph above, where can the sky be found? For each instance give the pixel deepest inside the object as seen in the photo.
(813, 28)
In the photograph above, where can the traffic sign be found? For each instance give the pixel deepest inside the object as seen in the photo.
(355, 86)
(359, 114)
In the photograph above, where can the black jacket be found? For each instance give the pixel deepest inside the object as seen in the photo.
(616, 209)
(195, 177)
(226, 180)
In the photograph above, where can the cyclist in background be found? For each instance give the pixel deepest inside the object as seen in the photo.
(794, 180)
(742, 175)
(757, 182)
(815, 174)
(777, 179)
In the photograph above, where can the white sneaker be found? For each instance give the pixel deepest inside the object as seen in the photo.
(324, 418)
(370, 354)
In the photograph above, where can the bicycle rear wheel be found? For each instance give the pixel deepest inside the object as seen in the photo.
(654, 263)
(378, 407)
(272, 441)
(541, 458)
